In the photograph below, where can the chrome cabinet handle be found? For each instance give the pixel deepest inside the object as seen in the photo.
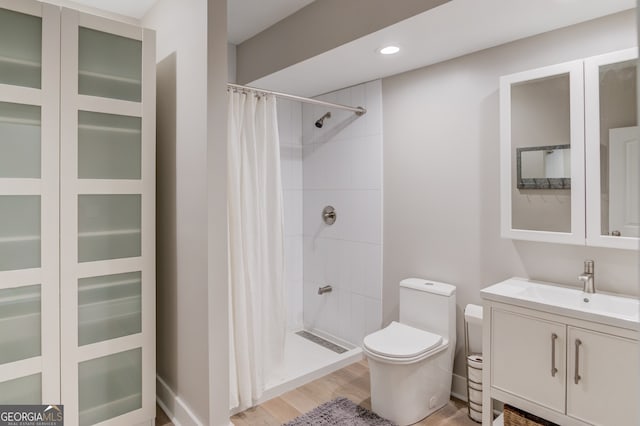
(576, 376)
(554, 370)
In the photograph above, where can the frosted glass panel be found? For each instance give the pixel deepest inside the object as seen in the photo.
(20, 49)
(108, 227)
(110, 66)
(20, 323)
(19, 232)
(21, 391)
(109, 306)
(110, 386)
(108, 146)
(19, 141)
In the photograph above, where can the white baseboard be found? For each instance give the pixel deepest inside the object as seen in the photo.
(179, 413)
(459, 387)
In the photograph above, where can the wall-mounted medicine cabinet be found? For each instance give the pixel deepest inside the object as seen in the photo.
(569, 153)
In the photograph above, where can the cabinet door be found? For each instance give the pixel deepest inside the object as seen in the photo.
(528, 358)
(107, 221)
(612, 152)
(29, 255)
(542, 154)
(600, 363)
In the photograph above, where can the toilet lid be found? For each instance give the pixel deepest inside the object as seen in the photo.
(401, 341)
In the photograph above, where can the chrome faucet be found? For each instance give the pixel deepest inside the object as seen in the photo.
(587, 277)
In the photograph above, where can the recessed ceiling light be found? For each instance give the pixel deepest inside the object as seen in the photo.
(389, 50)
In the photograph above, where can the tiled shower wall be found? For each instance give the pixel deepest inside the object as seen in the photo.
(338, 165)
(290, 129)
(342, 167)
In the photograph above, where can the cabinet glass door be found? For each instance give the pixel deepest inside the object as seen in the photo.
(20, 131)
(613, 150)
(24, 390)
(107, 229)
(109, 306)
(110, 386)
(110, 66)
(29, 202)
(20, 49)
(109, 146)
(19, 232)
(20, 323)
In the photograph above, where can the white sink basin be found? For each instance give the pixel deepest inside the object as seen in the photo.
(602, 308)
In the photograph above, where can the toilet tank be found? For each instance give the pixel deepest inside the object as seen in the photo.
(429, 305)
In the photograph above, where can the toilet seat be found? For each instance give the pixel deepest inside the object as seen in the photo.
(402, 343)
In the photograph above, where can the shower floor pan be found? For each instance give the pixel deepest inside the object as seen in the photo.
(308, 356)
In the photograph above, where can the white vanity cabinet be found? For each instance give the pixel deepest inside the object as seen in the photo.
(77, 214)
(566, 370)
(570, 153)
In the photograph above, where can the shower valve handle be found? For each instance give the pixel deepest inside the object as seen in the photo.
(329, 215)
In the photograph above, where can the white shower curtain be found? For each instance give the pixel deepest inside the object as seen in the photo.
(256, 251)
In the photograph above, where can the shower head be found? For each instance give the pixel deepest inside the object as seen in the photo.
(320, 121)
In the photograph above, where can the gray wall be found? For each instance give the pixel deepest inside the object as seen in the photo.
(441, 173)
(231, 62)
(218, 284)
(317, 28)
(182, 341)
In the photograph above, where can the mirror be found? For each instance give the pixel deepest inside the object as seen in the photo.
(619, 150)
(544, 167)
(540, 136)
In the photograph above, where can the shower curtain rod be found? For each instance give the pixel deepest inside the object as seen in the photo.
(358, 110)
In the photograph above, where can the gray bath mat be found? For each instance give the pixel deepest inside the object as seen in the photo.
(342, 412)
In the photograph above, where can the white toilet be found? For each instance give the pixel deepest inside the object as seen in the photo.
(411, 361)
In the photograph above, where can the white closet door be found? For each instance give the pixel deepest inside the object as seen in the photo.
(29, 155)
(107, 221)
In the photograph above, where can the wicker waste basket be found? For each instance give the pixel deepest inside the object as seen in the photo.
(516, 417)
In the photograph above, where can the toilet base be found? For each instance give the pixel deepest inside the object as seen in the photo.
(407, 393)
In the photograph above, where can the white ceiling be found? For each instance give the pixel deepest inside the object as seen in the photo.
(132, 8)
(247, 18)
(445, 32)
(454, 29)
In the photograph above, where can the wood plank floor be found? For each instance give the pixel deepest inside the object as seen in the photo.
(351, 382)
(161, 418)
